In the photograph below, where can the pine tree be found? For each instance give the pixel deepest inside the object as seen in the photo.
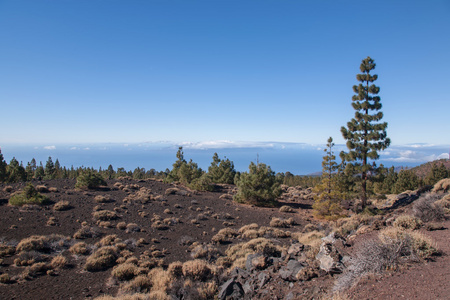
(436, 173)
(3, 168)
(328, 200)
(49, 168)
(365, 134)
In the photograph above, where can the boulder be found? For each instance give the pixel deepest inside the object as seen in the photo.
(329, 255)
(290, 270)
(231, 290)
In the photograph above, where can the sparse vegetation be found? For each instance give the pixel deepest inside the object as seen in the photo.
(29, 195)
(90, 180)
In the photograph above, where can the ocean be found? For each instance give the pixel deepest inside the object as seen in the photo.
(299, 159)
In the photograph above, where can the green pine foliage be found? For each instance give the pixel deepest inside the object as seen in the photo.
(327, 202)
(407, 180)
(259, 186)
(29, 195)
(90, 180)
(3, 168)
(436, 173)
(365, 133)
(221, 170)
(16, 172)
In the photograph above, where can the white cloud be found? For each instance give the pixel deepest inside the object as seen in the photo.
(225, 144)
(50, 147)
(87, 148)
(74, 148)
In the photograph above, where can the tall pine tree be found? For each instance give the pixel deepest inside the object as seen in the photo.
(365, 133)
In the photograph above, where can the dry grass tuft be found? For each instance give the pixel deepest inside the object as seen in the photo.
(62, 205)
(197, 269)
(286, 209)
(407, 222)
(80, 248)
(102, 259)
(105, 215)
(125, 271)
(59, 262)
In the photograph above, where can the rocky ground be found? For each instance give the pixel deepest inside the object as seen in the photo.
(170, 223)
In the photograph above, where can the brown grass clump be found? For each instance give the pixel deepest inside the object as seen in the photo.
(121, 225)
(105, 215)
(59, 262)
(42, 189)
(53, 190)
(442, 185)
(197, 269)
(407, 222)
(52, 221)
(109, 240)
(125, 271)
(132, 227)
(248, 227)
(204, 251)
(6, 250)
(62, 205)
(86, 232)
(286, 209)
(102, 259)
(139, 284)
(34, 243)
(207, 290)
(35, 270)
(172, 191)
(175, 269)
(278, 222)
(103, 199)
(79, 248)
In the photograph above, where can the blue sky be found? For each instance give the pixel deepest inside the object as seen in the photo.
(91, 71)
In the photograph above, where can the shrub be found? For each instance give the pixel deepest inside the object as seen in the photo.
(126, 271)
(102, 259)
(407, 222)
(196, 269)
(237, 253)
(102, 199)
(62, 205)
(90, 180)
(105, 215)
(59, 262)
(29, 195)
(35, 270)
(38, 243)
(286, 208)
(79, 248)
(427, 210)
(140, 284)
(86, 232)
(389, 250)
(259, 186)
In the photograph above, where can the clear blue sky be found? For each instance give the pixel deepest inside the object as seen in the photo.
(85, 71)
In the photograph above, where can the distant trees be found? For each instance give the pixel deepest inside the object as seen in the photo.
(3, 166)
(259, 186)
(365, 134)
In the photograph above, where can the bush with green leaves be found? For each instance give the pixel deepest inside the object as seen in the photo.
(90, 180)
(259, 186)
(29, 195)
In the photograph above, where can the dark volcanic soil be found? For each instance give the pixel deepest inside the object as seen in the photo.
(76, 283)
(417, 281)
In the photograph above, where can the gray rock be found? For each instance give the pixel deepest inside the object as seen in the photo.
(231, 290)
(263, 279)
(329, 256)
(290, 270)
(296, 249)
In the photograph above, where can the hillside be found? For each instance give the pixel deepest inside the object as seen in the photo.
(163, 239)
(425, 168)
